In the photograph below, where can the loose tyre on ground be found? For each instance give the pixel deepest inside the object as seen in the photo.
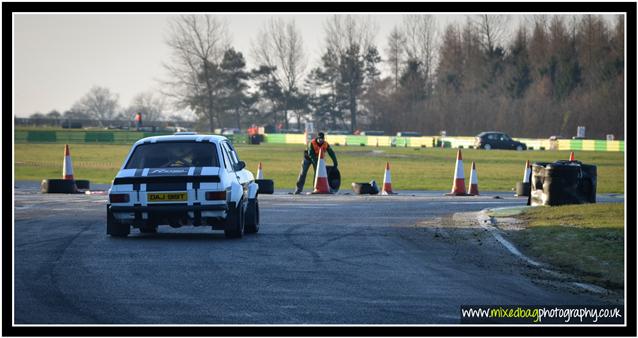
(58, 186)
(364, 189)
(265, 186)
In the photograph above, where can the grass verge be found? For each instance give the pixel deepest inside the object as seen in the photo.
(586, 240)
(412, 168)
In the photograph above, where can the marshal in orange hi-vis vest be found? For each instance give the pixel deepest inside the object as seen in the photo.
(319, 149)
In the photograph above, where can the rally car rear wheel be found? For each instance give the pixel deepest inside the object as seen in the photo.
(234, 227)
(115, 228)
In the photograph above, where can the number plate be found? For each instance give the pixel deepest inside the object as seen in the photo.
(167, 197)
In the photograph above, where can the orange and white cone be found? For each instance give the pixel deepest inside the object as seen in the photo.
(458, 186)
(67, 168)
(528, 170)
(387, 181)
(474, 181)
(321, 178)
(571, 156)
(260, 174)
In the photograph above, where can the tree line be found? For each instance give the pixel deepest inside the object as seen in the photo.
(546, 76)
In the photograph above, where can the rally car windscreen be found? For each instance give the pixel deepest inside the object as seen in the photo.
(173, 154)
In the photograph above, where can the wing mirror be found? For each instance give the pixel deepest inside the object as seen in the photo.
(239, 166)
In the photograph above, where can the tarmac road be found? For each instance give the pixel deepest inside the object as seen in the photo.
(341, 259)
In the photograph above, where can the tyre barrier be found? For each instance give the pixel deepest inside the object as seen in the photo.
(58, 186)
(563, 182)
(265, 186)
(83, 184)
(365, 188)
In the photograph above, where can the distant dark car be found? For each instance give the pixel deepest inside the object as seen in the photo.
(496, 140)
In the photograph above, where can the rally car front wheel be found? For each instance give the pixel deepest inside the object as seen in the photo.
(252, 216)
(234, 227)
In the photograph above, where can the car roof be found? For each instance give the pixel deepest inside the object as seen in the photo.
(490, 132)
(183, 138)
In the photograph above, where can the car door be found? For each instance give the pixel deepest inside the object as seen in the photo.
(503, 142)
(508, 142)
(492, 140)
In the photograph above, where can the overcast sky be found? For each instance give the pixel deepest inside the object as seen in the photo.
(59, 57)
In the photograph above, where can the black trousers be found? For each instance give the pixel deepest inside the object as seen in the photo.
(301, 180)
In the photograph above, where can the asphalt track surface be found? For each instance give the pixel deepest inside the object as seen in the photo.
(341, 259)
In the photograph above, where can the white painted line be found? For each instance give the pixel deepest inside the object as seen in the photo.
(486, 222)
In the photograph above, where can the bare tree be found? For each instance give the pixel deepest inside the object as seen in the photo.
(149, 105)
(420, 32)
(280, 45)
(493, 30)
(395, 50)
(99, 103)
(344, 31)
(197, 45)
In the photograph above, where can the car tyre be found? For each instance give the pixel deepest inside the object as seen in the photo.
(519, 148)
(83, 184)
(252, 217)
(234, 227)
(115, 228)
(58, 186)
(265, 186)
(487, 147)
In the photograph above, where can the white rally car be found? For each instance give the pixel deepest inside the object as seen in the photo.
(183, 179)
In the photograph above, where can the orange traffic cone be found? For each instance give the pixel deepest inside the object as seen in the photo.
(458, 186)
(260, 174)
(321, 178)
(571, 156)
(387, 181)
(474, 181)
(528, 170)
(67, 169)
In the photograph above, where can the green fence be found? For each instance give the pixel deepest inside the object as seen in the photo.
(130, 137)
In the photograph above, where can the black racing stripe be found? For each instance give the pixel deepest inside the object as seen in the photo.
(138, 173)
(166, 179)
(197, 173)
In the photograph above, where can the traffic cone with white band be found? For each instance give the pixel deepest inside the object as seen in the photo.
(571, 156)
(458, 186)
(260, 174)
(321, 178)
(67, 169)
(474, 181)
(528, 170)
(387, 181)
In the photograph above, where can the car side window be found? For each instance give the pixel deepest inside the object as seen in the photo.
(233, 153)
(224, 156)
(231, 160)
